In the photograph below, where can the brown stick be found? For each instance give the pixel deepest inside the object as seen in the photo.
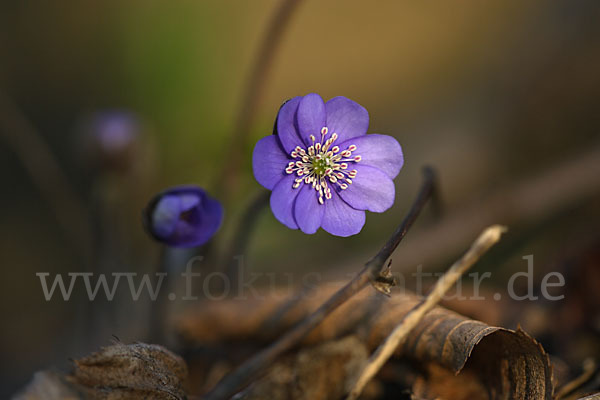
(240, 377)
(483, 243)
(253, 91)
(522, 203)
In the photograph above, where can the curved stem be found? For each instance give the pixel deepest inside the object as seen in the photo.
(253, 92)
(240, 377)
(47, 174)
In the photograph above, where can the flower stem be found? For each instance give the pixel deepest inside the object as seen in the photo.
(46, 173)
(240, 377)
(253, 93)
(239, 243)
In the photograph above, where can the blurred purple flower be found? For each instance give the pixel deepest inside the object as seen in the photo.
(323, 169)
(115, 130)
(111, 138)
(183, 216)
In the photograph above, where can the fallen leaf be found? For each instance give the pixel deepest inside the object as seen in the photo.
(509, 364)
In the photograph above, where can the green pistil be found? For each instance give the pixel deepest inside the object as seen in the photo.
(320, 166)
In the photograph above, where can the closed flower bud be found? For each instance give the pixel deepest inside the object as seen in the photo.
(183, 216)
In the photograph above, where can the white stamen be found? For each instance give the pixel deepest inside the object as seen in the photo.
(320, 164)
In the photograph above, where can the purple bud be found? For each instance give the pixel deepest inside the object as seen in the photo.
(183, 216)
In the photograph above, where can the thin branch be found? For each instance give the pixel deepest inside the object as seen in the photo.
(522, 203)
(484, 242)
(239, 378)
(254, 90)
(46, 173)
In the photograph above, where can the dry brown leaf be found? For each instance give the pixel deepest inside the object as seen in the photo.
(119, 371)
(510, 364)
(440, 382)
(137, 370)
(316, 373)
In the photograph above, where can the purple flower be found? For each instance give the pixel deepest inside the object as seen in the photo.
(111, 138)
(323, 169)
(183, 216)
(115, 130)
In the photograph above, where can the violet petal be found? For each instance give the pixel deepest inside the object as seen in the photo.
(311, 117)
(286, 125)
(282, 201)
(346, 118)
(269, 161)
(307, 210)
(370, 190)
(340, 219)
(379, 151)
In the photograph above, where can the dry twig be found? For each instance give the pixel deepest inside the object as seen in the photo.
(486, 240)
(373, 269)
(526, 202)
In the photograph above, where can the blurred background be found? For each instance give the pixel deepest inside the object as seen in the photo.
(503, 98)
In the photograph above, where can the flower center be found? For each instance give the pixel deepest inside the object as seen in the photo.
(321, 164)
